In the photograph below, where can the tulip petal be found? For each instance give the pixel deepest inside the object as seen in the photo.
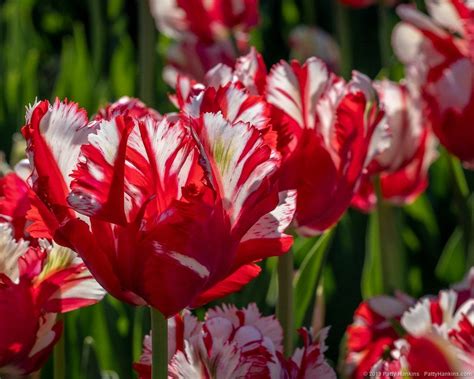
(55, 134)
(231, 284)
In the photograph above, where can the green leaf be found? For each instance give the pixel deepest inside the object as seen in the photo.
(272, 293)
(122, 69)
(138, 331)
(422, 211)
(76, 79)
(301, 248)
(309, 275)
(451, 264)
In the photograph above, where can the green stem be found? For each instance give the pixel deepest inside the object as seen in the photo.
(59, 355)
(319, 309)
(146, 47)
(384, 34)
(465, 205)
(462, 188)
(391, 248)
(344, 37)
(159, 340)
(285, 300)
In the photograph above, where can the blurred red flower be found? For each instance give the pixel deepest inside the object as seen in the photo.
(206, 33)
(437, 53)
(403, 167)
(432, 335)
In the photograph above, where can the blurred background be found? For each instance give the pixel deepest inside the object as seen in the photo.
(93, 52)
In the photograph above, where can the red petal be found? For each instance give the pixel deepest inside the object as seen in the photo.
(231, 284)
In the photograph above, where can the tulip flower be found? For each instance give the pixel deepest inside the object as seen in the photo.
(372, 332)
(309, 115)
(14, 203)
(206, 33)
(436, 52)
(208, 21)
(126, 105)
(431, 335)
(38, 280)
(320, 118)
(167, 213)
(403, 167)
(315, 116)
(236, 343)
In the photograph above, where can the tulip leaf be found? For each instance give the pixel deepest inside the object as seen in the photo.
(138, 331)
(301, 248)
(272, 293)
(122, 69)
(309, 275)
(422, 211)
(451, 264)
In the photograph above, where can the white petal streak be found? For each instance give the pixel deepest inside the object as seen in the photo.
(10, 252)
(65, 129)
(298, 96)
(173, 152)
(169, 18)
(283, 91)
(45, 335)
(445, 14)
(219, 75)
(254, 115)
(106, 140)
(184, 260)
(230, 148)
(274, 224)
(411, 15)
(316, 83)
(454, 88)
(84, 287)
(380, 141)
(89, 199)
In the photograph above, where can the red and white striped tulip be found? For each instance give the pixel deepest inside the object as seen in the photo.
(167, 213)
(437, 53)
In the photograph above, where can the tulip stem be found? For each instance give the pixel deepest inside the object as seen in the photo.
(391, 248)
(285, 300)
(159, 340)
(384, 34)
(59, 355)
(344, 37)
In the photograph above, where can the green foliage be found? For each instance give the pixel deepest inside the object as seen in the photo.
(309, 275)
